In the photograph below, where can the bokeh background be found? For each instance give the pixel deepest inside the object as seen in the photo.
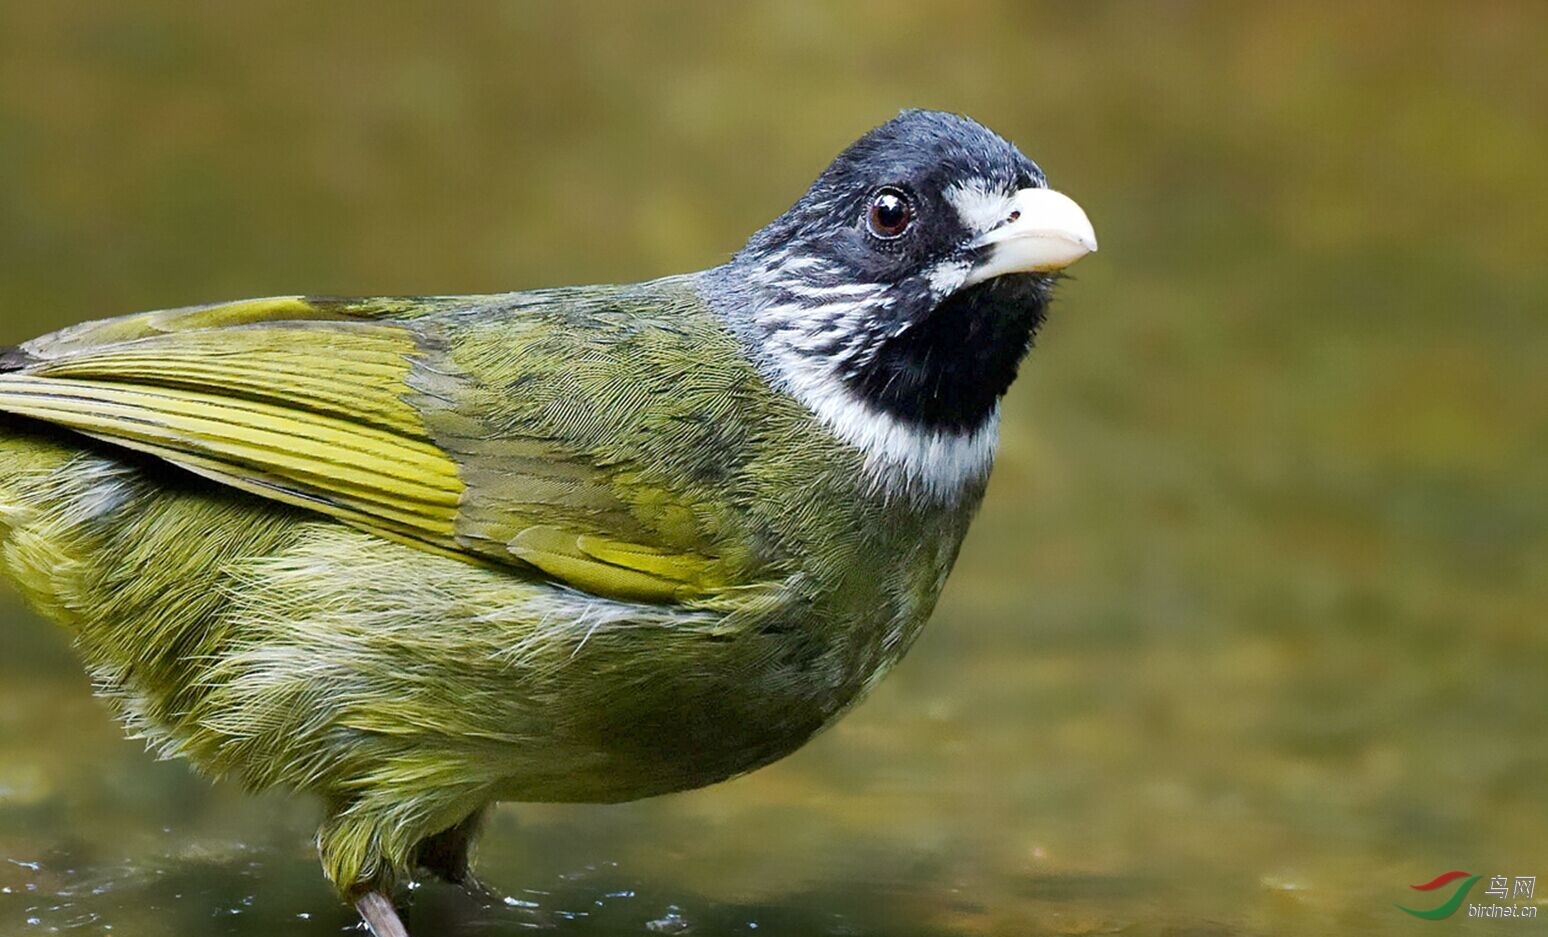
(1249, 636)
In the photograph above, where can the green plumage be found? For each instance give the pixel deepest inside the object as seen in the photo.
(419, 555)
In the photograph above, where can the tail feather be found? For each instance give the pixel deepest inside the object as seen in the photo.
(14, 359)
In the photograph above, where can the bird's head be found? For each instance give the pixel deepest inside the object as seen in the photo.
(898, 296)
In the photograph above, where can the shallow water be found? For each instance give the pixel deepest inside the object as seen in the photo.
(1249, 636)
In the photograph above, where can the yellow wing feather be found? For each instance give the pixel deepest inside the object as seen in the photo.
(613, 568)
(312, 411)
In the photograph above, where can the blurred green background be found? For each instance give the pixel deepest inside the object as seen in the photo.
(1249, 635)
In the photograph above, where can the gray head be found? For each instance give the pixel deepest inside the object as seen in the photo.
(898, 296)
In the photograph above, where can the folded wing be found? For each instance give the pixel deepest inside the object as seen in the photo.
(311, 403)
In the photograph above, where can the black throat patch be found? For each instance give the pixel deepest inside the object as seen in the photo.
(947, 372)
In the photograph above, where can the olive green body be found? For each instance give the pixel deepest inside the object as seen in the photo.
(740, 579)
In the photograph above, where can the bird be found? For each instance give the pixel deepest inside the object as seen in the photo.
(419, 555)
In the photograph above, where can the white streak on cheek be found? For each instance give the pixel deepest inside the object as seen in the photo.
(946, 277)
(981, 207)
(823, 292)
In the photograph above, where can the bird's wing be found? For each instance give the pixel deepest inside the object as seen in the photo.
(348, 408)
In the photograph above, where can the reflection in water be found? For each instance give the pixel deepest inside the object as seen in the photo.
(1248, 638)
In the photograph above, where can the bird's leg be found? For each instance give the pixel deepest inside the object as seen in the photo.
(379, 915)
(446, 854)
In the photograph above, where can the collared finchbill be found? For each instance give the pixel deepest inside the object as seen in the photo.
(1043, 231)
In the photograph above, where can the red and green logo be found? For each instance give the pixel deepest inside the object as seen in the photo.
(1450, 906)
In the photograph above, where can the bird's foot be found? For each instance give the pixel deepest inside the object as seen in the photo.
(380, 916)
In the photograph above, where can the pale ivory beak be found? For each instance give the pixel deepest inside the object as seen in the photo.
(1043, 231)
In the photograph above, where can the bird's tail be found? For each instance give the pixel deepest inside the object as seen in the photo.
(29, 454)
(42, 491)
(14, 359)
(11, 359)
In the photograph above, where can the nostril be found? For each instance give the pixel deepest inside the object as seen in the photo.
(1014, 215)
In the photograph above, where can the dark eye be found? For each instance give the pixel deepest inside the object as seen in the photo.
(890, 214)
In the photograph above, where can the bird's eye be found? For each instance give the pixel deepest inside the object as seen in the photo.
(890, 214)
